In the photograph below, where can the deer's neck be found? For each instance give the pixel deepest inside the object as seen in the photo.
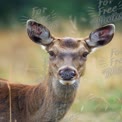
(53, 101)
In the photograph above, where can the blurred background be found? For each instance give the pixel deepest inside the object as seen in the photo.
(99, 96)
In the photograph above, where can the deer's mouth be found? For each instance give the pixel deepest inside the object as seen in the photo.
(67, 82)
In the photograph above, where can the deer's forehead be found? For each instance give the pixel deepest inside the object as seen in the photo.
(69, 45)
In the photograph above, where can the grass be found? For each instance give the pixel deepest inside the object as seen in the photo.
(98, 99)
(105, 102)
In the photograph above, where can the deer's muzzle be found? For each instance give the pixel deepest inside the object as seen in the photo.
(67, 75)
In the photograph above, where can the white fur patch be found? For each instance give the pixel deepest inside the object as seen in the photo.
(43, 47)
(91, 43)
(113, 30)
(67, 82)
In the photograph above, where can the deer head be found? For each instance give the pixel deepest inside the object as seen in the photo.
(68, 55)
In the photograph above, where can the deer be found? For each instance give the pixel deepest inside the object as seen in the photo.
(50, 100)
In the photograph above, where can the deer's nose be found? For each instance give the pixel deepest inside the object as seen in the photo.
(67, 73)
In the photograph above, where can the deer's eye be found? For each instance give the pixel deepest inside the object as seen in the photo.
(85, 54)
(52, 54)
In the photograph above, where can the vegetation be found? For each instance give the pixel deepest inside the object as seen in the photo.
(15, 11)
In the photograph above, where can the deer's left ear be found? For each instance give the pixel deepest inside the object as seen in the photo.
(101, 36)
(38, 33)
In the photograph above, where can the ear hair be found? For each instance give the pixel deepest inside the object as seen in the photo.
(101, 36)
(38, 33)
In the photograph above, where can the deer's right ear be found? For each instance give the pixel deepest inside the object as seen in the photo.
(38, 33)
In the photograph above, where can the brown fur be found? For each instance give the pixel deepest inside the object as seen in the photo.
(32, 103)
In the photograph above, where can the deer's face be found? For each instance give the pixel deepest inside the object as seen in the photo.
(67, 59)
(68, 55)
